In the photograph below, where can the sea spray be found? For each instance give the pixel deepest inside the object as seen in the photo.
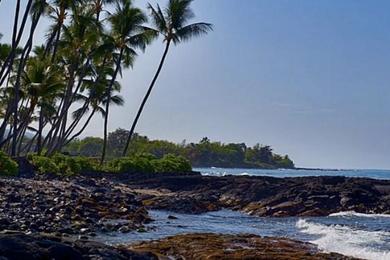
(348, 241)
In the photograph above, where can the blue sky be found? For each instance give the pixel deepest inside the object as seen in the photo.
(310, 78)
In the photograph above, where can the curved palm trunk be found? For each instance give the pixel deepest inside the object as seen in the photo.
(83, 128)
(23, 61)
(16, 37)
(146, 98)
(118, 64)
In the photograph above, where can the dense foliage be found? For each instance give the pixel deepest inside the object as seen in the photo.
(51, 92)
(65, 165)
(8, 167)
(149, 164)
(205, 153)
(61, 165)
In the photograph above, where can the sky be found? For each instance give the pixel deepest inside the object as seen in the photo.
(310, 78)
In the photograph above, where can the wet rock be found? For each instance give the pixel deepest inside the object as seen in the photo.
(14, 246)
(264, 196)
(213, 246)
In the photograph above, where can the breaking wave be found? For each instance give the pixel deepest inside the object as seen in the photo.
(348, 241)
(361, 215)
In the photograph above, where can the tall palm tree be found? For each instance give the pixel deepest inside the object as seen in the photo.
(58, 12)
(37, 10)
(172, 25)
(128, 34)
(43, 82)
(74, 50)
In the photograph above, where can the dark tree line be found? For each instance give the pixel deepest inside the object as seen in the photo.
(202, 154)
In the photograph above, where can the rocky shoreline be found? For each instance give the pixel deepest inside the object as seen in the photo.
(74, 207)
(265, 196)
(215, 246)
(15, 246)
(84, 206)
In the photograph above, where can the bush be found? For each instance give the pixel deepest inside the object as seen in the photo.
(61, 164)
(146, 163)
(8, 167)
(133, 164)
(171, 163)
(44, 165)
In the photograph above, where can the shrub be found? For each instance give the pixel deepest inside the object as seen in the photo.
(61, 164)
(171, 163)
(44, 165)
(8, 167)
(133, 164)
(86, 164)
(146, 163)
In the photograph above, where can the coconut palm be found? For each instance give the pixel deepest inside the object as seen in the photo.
(98, 7)
(75, 49)
(43, 82)
(58, 12)
(38, 8)
(171, 23)
(127, 35)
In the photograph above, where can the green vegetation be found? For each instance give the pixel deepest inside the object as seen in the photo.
(8, 167)
(61, 165)
(203, 154)
(64, 165)
(50, 93)
(149, 164)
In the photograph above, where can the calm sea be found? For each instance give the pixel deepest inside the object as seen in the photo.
(281, 173)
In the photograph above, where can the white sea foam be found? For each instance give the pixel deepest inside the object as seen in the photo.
(355, 214)
(347, 241)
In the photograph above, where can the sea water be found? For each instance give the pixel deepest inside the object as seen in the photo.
(361, 235)
(282, 173)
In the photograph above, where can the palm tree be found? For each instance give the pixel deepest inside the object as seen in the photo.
(43, 82)
(128, 33)
(97, 6)
(96, 97)
(75, 49)
(37, 9)
(58, 12)
(172, 25)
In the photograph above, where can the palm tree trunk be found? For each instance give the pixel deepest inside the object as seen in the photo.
(23, 60)
(58, 125)
(26, 149)
(146, 98)
(83, 128)
(118, 64)
(16, 37)
(40, 129)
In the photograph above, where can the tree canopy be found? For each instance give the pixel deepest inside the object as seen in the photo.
(205, 153)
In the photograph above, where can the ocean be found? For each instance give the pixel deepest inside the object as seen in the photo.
(282, 173)
(365, 236)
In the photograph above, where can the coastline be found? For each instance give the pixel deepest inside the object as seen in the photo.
(81, 207)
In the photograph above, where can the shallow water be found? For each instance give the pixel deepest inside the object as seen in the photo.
(281, 173)
(360, 235)
(349, 233)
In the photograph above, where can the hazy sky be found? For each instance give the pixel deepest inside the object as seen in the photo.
(310, 78)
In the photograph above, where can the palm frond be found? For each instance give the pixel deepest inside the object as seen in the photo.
(193, 30)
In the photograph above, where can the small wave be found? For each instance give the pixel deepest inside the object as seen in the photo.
(347, 241)
(356, 214)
